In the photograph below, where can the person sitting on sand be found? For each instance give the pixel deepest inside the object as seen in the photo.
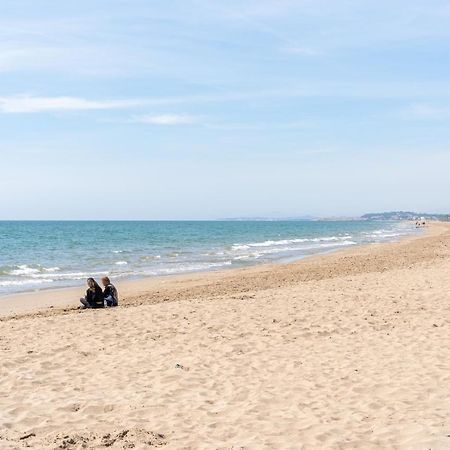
(110, 293)
(94, 295)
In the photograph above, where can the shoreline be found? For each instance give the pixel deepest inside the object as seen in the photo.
(347, 350)
(65, 298)
(54, 270)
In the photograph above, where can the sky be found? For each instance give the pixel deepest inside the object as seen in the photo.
(206, 109)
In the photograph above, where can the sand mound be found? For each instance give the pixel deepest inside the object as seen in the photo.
(135, 438)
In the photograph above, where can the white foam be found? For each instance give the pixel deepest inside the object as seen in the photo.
(188, 268)
(271, 243)
(338, 244)
(150, 258)
(23, 270)
(240, 247)
(6, 283)
(253, 255)
(270, 251)
(121, 263)
(66, 276)
(51, 269)
(387, 235)
(72, 275)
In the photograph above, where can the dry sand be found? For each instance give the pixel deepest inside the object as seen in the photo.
(348, 350)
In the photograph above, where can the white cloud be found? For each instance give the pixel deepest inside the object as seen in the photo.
(166, 119)
(29, 104)
(48, 104)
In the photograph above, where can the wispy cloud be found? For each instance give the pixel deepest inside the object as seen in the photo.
(166, 119)
(41, 104)
(29, 104)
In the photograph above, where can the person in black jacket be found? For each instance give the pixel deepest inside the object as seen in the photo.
(94, 295)
(110, 293)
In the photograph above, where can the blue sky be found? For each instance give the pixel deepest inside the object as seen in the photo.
(144, 109)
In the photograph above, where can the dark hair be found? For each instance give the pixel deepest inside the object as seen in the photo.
(106, 279)
(91, 281)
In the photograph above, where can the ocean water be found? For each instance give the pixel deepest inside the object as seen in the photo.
(42, 255)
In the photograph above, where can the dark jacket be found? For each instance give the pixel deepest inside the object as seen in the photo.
(111, 291)
(95, 297)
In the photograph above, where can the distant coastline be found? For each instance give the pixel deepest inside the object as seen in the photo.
(388, 215)
(405, 215)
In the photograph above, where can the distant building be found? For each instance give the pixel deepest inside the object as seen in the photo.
(405, 215)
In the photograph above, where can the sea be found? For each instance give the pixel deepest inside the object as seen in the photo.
(38, 255)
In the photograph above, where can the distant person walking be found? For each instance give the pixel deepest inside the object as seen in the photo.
(94, 295)
(110, 293)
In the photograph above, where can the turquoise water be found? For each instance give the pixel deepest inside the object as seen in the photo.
(41, 255)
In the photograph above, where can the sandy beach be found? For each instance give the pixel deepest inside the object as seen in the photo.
(342, 351)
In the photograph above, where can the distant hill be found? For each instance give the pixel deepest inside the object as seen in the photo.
(404, 215)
